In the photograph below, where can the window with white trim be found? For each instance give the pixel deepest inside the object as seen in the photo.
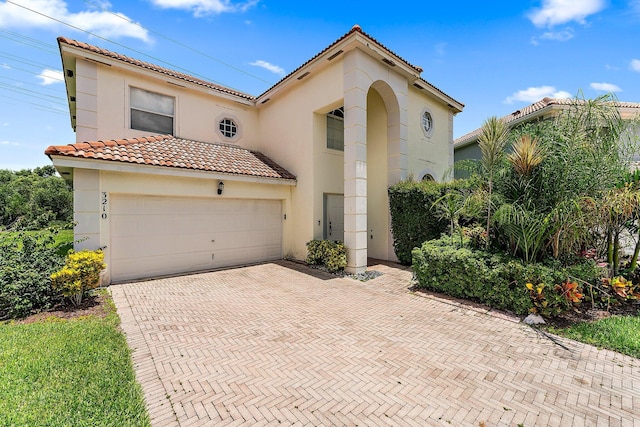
(427, 122)
(335, 129)
(228, 128)
(151, 112)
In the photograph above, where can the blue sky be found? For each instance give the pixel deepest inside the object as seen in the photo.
(494, 56)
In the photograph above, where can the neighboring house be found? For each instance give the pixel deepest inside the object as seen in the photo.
(466, 147)
(174, 174)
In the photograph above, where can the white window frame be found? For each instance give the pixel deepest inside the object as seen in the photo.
(236, 122)
(132, 108)
(337, 114)
(427, 132)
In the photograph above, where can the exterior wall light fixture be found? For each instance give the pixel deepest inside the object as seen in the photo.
(220, 187)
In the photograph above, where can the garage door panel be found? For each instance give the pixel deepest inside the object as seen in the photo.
(152, 235)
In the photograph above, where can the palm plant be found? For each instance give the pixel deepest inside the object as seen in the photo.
(528, 231)
(492, 142)
(526, 155)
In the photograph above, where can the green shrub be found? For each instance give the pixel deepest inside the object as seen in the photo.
(80, 273)
(413, 221)
(496, 280)
(27, 259)
(331, 254)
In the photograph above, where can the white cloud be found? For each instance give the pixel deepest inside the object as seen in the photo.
(205, 7)
(14, 144)
(605, 87)
(440, 48)
(100, 22)
(560, 36)
(50, 77)
(556, 12)
(275, 69)
(534, 94)
(635, 65)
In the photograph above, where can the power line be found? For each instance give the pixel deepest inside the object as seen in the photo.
(42, 107)
(31, 72)
(111, 41)
(27, 92)
(206, 55)
(28, 41)
(22, 61)
(22, 82)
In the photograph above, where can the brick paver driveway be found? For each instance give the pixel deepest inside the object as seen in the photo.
(280, 344)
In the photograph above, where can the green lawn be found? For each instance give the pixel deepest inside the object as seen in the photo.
(618, 333)
(68, 373)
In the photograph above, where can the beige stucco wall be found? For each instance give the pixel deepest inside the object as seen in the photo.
(431, 153)
(197, 114)
(293, 133)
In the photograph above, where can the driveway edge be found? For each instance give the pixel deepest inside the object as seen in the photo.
(159, 406)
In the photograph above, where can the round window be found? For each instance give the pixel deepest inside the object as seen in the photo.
(427, 122)
(228, 128)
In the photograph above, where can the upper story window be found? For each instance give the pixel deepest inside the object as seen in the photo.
(335, 129)
(427, 122)
(151, 112)
(228, 128)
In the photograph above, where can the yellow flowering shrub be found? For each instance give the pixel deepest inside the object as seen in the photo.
(80, 273)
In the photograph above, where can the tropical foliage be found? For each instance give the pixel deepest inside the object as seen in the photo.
(34, 199)
(554, 191)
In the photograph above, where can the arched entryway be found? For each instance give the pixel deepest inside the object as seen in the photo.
(383, 139)
(375, 155)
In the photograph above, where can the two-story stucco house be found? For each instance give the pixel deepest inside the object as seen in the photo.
(174, 174)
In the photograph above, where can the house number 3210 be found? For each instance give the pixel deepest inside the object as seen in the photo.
(103, 203)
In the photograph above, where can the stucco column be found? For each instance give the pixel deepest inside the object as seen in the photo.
(356, 86)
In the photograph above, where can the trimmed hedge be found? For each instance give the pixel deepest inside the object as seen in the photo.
(412, 219)
(495, 280)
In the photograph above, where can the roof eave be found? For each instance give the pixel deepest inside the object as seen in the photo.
(353, 40)
(69, 87)
(65, 161)
(82, 53)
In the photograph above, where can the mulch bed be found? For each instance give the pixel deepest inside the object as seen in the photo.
(93, 305)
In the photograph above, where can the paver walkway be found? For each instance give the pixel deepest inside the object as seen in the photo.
(279, 344)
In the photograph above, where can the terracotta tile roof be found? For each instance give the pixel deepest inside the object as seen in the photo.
(153, 67)
(170, 151)
(530, 110)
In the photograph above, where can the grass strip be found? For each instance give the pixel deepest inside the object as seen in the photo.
(68, 373)
(618, 333)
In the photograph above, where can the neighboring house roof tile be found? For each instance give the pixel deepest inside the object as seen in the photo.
(153, 67)
(170, 151)
(529, 110)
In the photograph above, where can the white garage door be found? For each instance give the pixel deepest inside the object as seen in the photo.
(154, 236)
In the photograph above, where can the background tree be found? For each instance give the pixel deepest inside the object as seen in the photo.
(33, 199)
